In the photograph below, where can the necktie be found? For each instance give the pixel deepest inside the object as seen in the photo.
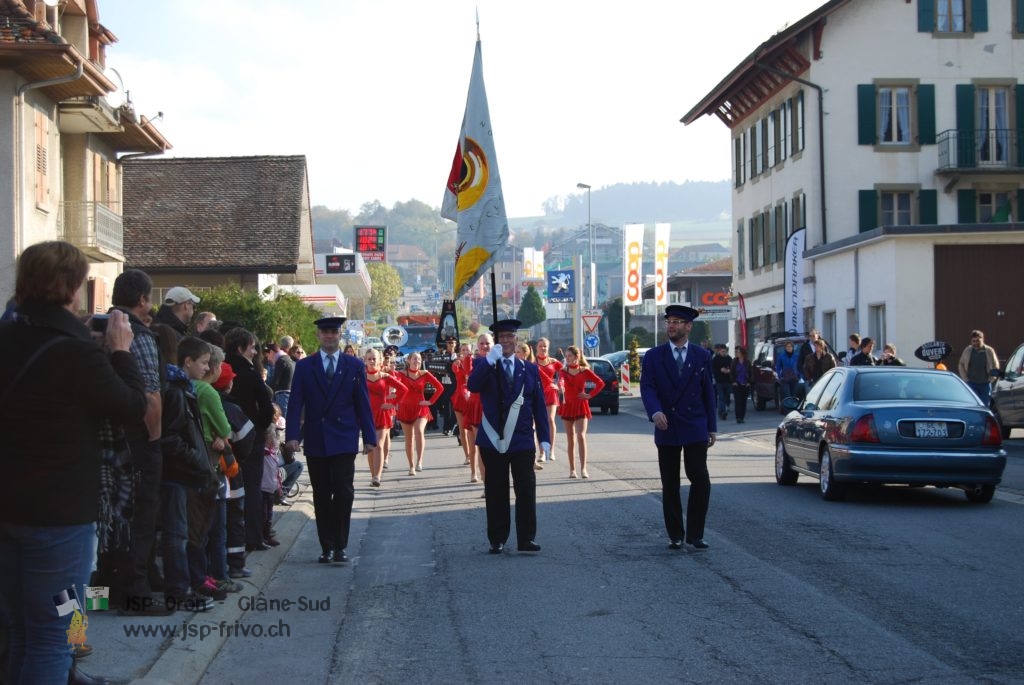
(330, 366)
(679, 359)
(508, 369)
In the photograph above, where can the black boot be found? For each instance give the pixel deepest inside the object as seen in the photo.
(76, 677)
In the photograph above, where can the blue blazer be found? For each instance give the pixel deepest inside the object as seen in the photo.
(329, 415)
(687, 400)
(521, 410)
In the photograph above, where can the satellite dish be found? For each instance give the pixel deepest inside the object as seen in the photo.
(116, 98)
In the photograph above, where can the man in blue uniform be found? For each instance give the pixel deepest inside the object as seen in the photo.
(513, 403)
(329, 408)
(679, 397)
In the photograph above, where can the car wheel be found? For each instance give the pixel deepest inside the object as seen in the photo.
(615, 410)
(784, 474)
(980, 494)
(1002, 428)
(759, 403)
(830, 489)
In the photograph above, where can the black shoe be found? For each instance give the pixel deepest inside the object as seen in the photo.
(340, 557)
(675, 544)
(529, 546)
(271, 541)
(262, 547)
(698, 544)
(76, 677)
(144, 606)
(497, 547)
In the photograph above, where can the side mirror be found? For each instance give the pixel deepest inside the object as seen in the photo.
(841, 355)
(790, 403)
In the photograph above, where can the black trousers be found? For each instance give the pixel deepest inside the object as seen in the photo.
(148, 463)
(445, 413)
(252, 476)
(334, 492)
(740, 393)
(524, 480)
(695, 463)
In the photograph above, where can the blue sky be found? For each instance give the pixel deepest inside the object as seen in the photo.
(373, 91)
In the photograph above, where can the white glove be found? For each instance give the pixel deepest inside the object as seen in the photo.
(546, 446)
(494, 355)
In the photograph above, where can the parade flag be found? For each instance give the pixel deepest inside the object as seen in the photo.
(793, 309)
(538, 265)
(97, 598)
(66, 601)
(662, 241)
(632, 265)
(473, 197)
(528, 263)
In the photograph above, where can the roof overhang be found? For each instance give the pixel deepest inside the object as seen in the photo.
(37, 62)
(764, 72)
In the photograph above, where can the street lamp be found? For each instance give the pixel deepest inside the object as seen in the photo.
(590, 240)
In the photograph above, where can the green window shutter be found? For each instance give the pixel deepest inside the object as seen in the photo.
(866, 114)
(966, 207)
(926, 114)
(1020, 206)
(1020, 17)
(928, 207)
(979, 16)
(965, 125)
(925, 16)
(868, 202)
(1020, 106)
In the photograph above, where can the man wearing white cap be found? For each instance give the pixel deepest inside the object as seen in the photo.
(177, 310)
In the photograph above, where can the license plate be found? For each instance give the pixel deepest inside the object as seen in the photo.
(931, 429)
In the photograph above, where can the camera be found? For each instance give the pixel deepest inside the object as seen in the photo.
(99, 322)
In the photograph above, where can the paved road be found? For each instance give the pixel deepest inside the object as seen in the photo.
(894, 585)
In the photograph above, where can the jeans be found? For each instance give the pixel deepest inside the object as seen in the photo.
(37, 562)
(174, 536)
(722, 394)
(292, 472)
(789, 388)
(982, 390)
(217, 545)
(148, 462)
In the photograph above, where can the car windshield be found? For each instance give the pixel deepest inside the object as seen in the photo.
(936, 386)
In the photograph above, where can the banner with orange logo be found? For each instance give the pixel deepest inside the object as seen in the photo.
(632, 261)
(662, 241)
(473, 196)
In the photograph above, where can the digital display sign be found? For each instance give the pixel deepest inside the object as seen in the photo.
(340, 264)
(371, 242)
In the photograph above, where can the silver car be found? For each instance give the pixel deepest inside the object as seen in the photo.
(896, 425)
(1007, 400)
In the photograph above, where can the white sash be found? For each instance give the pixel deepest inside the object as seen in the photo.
(502, 445)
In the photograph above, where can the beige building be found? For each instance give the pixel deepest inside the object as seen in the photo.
(63, 140)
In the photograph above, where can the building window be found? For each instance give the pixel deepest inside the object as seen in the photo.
(994, 207)
(798, 215)
(949, 16)
(993, 124)
(782, 128)
(771, 138)
(828, 327)
(773, 255)
(740, 255)
(797, 107)
(780, 232)
(876, 323)
(894, 115)
(739, 161)
(755, 152)
(754, 224)
(896, 208)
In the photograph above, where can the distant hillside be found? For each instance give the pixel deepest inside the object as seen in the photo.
(693, 201)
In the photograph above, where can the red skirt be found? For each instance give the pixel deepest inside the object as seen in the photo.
(473, 414)
(575, 409)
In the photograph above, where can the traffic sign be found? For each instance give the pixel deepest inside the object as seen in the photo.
(724, 313)
(591, 317)
(591, 340)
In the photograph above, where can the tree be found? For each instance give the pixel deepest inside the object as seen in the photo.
(267, 319)
(700, 332)
(386, 288)
(531, 311)
(613, 315)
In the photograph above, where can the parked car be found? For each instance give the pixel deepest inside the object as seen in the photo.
(1007, 399)
(608, 398)
(869, 424)
(373, 342)
(616, 358)
(766, 381)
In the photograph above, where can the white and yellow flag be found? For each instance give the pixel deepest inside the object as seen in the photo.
(662, 241)
(632, 265)
(473, 197)
(528, 263)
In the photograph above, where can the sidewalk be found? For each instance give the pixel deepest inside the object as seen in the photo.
(145, 651)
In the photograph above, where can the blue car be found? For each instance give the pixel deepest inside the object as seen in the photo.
(890, 425)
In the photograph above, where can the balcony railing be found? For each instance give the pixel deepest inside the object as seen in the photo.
(93, 227)
(980, 150)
